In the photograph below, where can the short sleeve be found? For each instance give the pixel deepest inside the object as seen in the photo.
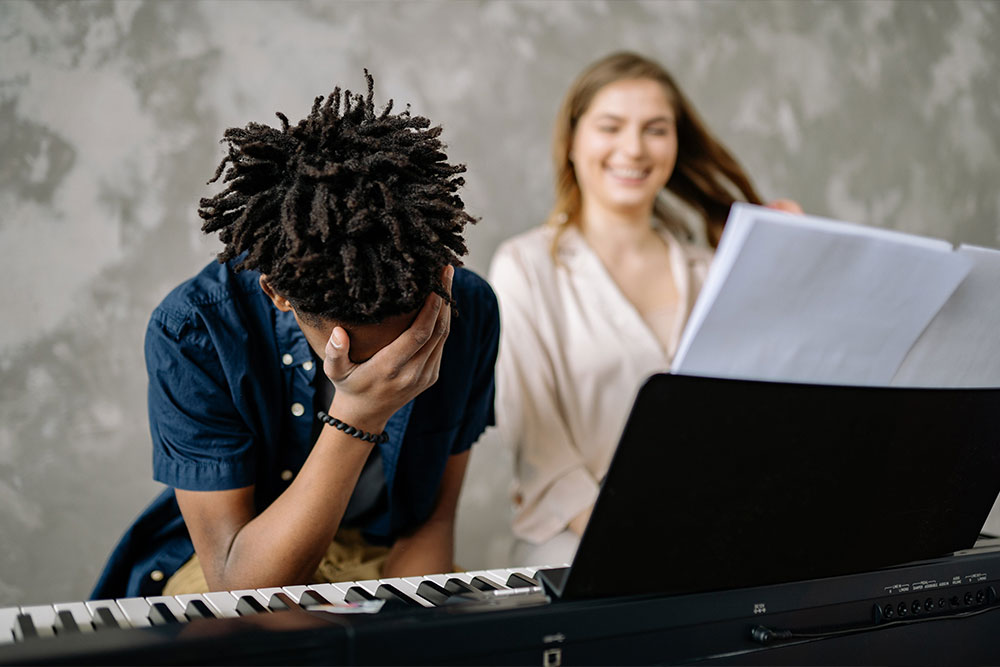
(200, 441)
(482, 344)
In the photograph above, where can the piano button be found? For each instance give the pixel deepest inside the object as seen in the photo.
(407, 588)
(198, 609)
(80, 614)
(434, 593)
(94, 605)
(160, 614)
(518, 580)
(136, 610)
(358, 594)
(43, 617)
(456, 586)
(7, 617)
(311, 598)
(24, 628)
(484, 584)
(281, 601)
(105, 619)
(173, 604)
(295, 592)
(254, 593)
(390, 593)
(248, 605)
(65, 623)
(332, 592)
(223, 601)
(265, 594)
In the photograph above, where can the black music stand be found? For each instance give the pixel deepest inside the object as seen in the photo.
(720, 484)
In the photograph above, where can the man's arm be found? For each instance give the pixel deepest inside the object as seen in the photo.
(431, 548)
(285, 542)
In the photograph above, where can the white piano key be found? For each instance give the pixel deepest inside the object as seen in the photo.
(407, 588)
(370, 585)
(43, 616)
(296, 591)
(136, 610)
(439, 579)
(252, 592)
(110, 605)
(461, 576)
(7, 617)
(330, 592)
(172, 604)
(80, 614)
(223, 601)
(498, 577)
(268, 593)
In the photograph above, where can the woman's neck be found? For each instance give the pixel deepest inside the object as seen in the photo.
(617, 230)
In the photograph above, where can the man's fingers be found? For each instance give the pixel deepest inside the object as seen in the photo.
(337, 364)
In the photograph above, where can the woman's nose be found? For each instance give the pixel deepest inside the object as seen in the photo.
(631, 143)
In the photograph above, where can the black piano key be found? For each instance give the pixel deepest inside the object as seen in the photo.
(198, 609)
(358, 594)
(518, 580)
(160, 614)
(433, 592)
(459, 587)
(104, 619)
(248, 605)
(312, 599)
(24, 628)
(484, 584)
(65, 624)
(282, 602)
(390, 594)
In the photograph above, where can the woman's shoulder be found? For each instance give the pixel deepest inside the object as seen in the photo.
(529, 251)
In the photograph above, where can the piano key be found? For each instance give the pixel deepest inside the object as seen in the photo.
(43, 617)
(334, 593)
(519, 580)
(391, 594)
(172, 603)
(249, 605)
(160, 614)
(456, 586)
(65, 623)
(266, 593)
(105, 619)
(408, 588)
(80, 614)
(198, 608)
(223, 601)
(24, 628)
(7, 617)
(93, 606)
(252, 592)
(484, 584)
(312, 598)
(434, 593)
(282, 601)
(136, 610)
(295, 592)
(358, 594)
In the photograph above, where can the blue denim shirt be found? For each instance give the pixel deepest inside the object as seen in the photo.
(231, 396)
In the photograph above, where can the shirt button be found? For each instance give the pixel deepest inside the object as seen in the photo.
(287, 475)
(156, 575)
(298, 410)
(287, 359)
(308, 365)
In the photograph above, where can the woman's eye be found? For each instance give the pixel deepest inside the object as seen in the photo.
(607, 128)
(658, 131)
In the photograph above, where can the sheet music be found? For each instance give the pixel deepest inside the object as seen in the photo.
(961, 346)
(806, 299)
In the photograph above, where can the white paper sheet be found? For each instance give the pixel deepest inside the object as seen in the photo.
(961, 346)
(806, 299)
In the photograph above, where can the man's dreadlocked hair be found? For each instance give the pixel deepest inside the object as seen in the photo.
(349, 214)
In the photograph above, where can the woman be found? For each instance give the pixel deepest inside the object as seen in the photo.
(595, 300)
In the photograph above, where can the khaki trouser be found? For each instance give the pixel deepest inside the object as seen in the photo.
(348, 558)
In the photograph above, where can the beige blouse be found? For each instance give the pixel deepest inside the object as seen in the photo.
(573, 354)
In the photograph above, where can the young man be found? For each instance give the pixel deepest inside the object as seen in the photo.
(313, 396)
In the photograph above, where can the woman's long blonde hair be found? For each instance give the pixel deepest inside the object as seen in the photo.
(706, 177)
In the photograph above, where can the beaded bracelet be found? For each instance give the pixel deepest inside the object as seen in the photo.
(376, 438)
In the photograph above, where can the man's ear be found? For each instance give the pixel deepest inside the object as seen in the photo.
(280, 302)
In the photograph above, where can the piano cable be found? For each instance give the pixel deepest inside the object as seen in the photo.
(769, 636)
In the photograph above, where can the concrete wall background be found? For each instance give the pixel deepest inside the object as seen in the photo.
(880, 112)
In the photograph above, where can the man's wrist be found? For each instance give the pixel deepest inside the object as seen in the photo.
(355, 415)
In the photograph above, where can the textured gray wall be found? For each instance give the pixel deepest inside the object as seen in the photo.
(110, 112)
